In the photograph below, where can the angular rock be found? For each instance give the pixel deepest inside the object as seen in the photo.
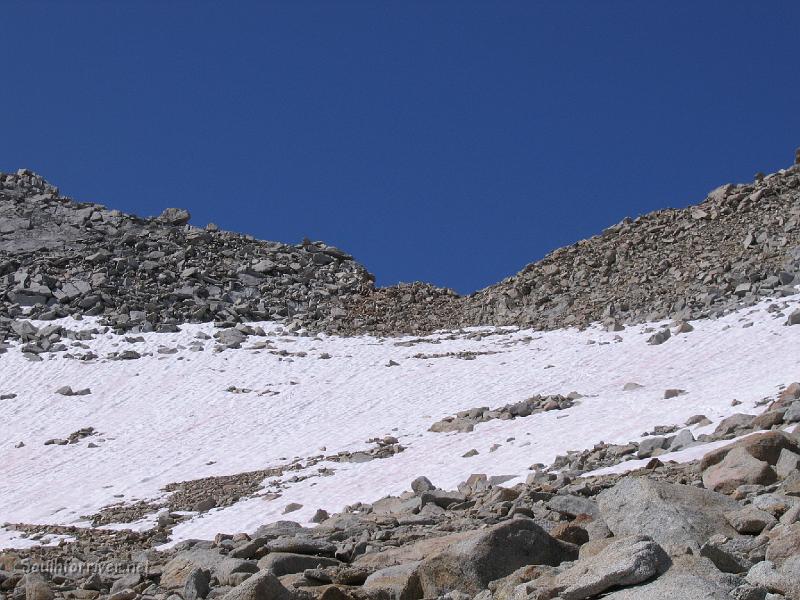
(674, 516)
(766, 446)
(788, 463)
(469, 565)
(175, 216)
(625, 561)
(197, 584)
(262, 586)
(286, 563)
(736, 469)
(750, 520)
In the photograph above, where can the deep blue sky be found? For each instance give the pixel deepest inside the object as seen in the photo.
(450, 142)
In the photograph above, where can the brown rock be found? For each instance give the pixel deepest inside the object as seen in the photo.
(399, 582)
(784, 542)
(764, 446)
(750, 520)
(489, 554)
(738, 468)
(7, 561)
(768, 419)
(570, 532)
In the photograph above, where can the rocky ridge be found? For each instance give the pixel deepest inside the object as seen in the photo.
(737, 246)
(59, 257)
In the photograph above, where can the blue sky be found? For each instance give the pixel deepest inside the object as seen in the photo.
(450, 142)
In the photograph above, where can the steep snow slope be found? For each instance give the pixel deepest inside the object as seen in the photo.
(167, 417)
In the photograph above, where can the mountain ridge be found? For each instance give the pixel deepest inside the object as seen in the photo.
(736, 246)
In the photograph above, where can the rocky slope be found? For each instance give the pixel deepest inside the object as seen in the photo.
(725, 526)
(615, 521)
(738, 245)
(59, 257)
(62, 257)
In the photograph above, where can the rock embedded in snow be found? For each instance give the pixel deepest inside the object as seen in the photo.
(673, 393)
(659, 337)
(700, 420)
(292, 507)
(320, 516)
(684, 439)
(421, 485)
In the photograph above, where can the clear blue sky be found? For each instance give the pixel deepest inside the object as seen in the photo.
(450, 142)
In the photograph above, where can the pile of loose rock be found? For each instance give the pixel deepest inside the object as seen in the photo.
(736, 247)
(466, 420)
(59, 257)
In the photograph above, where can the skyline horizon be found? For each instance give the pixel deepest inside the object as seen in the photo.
(448, 142)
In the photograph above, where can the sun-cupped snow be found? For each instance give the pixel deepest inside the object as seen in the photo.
(166, 418)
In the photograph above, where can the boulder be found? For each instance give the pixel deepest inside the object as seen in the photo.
(689, 578)
(126, 582)
(784, 579)
(232, 571)
(400, 582)
(36, 588)
(262, 586)
(176, 572)
(623, 562)
(788, 463)
(768, 419)
(673, 515)
(485, 555)
(764, 446)
(197, 584)
(736, 421)
(572, 506)
(286, 563)
(650, 444)
(750, 520)
(175, 216)
(422, 484)
(302, 545)
(784, 543)
(738, 467)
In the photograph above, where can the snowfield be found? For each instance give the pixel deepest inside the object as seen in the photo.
(167, 418)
